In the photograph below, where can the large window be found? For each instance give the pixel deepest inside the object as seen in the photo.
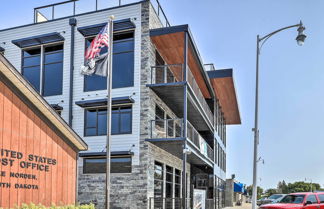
(123, 64)
(96, 121)
(98, 165)
(45, 76)
(158, 185)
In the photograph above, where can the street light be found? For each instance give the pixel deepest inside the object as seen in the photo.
(260, 41)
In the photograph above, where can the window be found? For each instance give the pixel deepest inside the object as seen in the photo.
(98, 165)
(177, 183)
(321, 198)
(312, 199)
(96, 121)
(123, 64)
(121, 120)
(168, 187)
(46, 76)
(158, 185)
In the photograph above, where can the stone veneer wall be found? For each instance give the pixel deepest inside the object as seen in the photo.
(132, 191)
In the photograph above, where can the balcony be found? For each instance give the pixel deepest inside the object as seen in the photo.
(76, 7)
(168, 135)
(167, 81)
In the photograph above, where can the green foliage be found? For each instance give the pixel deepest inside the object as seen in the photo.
(34, 206)
(301, 186)
(270, 192)
(250, 188)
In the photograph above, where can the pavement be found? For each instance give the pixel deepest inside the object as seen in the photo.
(243, 206)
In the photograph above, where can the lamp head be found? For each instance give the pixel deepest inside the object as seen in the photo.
(301, 36)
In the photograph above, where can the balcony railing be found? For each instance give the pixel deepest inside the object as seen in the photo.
(173, 128)
(200, 97)
(75, 7)
(174, 73)
(167, 203)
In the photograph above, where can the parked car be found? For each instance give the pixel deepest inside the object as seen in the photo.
(261, 200)
(273, 199)
(304, 200)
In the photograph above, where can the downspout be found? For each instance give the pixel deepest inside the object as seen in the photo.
(72, 22)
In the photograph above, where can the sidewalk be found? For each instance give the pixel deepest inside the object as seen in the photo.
(243, 206)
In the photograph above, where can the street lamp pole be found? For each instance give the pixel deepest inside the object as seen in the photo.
(260, 41)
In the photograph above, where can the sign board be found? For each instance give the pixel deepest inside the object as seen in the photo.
(199, 199)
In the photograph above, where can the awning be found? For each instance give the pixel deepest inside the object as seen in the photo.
(119, 25)
(56, 107)
(238, 187)
(38, 40)
(103, 102)
(224, 87)
(100, 154)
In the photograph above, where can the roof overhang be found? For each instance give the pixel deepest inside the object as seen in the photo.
(38, 40)
(40, 104)
(119, 25)
(224, 87)
(170, 42)
(101, 154)
(103, 102)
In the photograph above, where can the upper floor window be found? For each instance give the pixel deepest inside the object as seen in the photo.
(98, 165)
(43, 68)
(96, 121)
(123, 64)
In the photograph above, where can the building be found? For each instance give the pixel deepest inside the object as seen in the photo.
(38, 150)
(164, 100)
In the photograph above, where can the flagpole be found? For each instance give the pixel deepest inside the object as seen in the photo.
(109, 87)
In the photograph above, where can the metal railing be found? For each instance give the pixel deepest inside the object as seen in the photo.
(174, 73)
(166, 128)
(199, 142)
(193, 84)
(167, 203)
(173, 128)
(74, 7)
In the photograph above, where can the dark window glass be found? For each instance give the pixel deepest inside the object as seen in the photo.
(177, 183)
(297, 199)
(123, 64)
(169, 182)
(159, 112)
(52, 69)
(96, 121)
(32, 74)
(98, 165)
(321, 198)
(311, 198)
(122, 120)
(53, 79)
(158, 185)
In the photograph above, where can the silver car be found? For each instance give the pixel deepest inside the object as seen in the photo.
(273, 199)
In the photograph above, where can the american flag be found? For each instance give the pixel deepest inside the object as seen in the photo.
(99, 42)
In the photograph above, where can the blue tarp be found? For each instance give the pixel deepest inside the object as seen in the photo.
(238, 187)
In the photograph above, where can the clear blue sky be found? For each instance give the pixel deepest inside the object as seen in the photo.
(291, 88)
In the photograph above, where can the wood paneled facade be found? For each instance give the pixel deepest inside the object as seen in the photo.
(38, 162)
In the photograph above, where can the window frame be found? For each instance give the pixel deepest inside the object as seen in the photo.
(123, 40)
(42, 64)
(103, 108)
(104, 158)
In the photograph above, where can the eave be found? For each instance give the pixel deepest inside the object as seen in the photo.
(224, 87)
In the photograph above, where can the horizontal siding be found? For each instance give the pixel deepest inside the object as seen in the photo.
(13, 54)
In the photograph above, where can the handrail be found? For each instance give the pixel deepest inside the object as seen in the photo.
(172, 128)
(118, 3)
(192, 82)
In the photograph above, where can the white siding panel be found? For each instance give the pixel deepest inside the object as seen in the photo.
(13, 54)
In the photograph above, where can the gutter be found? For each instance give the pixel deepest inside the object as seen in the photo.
(72, 23)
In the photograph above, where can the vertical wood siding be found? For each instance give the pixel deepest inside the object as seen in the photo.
(23, 131)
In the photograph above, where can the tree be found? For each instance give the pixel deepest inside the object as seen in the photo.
(282, 187)
(250, 188)
(270, 192)
(301, 186)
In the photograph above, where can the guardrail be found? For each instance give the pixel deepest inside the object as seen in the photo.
(174, 73)
(74, 7)
(173, 128)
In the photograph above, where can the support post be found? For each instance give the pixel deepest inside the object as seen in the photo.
(185, 112)
(256, 130)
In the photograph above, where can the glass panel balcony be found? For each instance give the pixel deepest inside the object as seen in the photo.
(173, 128)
